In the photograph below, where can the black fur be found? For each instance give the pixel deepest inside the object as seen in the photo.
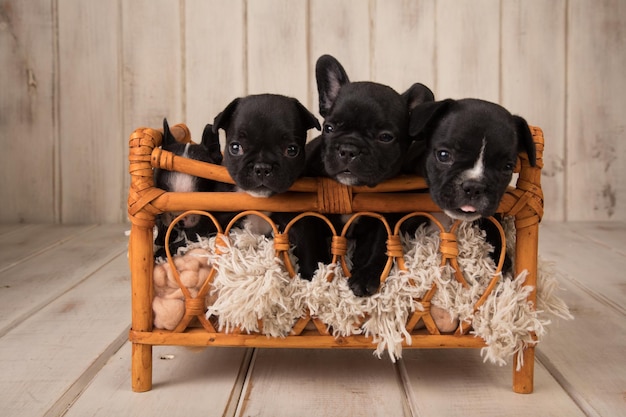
(192, 226)
(364, 141)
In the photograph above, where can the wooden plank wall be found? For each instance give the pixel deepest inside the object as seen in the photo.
(78, 76)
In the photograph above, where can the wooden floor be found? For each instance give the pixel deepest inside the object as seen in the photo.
(65, 311)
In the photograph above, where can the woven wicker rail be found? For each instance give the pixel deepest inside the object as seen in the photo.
(311, 195)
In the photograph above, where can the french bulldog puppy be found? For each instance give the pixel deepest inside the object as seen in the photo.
(364, 141)
(193, 225)
(467, 150)
(265, 142)
(265, 146)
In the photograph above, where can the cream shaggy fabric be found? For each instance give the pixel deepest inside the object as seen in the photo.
(253, 286)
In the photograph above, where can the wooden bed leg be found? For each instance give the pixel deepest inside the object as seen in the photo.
(526, 253)
(523, 380)
(141, 260)
(141, 372)
(528, 213)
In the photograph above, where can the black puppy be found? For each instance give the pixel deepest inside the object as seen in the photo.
(193, 225)
(364, 141)
(265, 145)
(467, 150)
(265, 140)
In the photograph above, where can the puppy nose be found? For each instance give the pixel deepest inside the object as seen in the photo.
(348, 152)
(473, 188)
(262, 169)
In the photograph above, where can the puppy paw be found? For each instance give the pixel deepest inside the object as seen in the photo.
(363, 285)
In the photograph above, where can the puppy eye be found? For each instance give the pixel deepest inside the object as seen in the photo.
(235, 149)
(292, 151)
(509, 166)
(328, 128)
(443, 156)
(385, 137)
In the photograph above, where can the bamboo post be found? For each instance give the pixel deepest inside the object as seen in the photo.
(528, 212)
(141, 257)
(141, 268)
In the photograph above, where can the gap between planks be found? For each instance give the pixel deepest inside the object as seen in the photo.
(70, 396)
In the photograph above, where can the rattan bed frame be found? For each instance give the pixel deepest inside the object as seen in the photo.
(320, 195)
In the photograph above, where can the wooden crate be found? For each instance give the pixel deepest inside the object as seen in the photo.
(320, 195)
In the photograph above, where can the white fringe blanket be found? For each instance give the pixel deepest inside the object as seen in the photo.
(252, 284)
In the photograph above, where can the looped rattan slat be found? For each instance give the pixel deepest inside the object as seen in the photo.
(344, 233)
(195, 307)
(285, 242)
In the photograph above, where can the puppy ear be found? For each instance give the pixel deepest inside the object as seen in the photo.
(222, 120)
(413, 162)
(211, 140)
(423, 117)
(309, 121)
(417, 94)
(168, 138)
(424, 114)
(525, 140)
(330, 77)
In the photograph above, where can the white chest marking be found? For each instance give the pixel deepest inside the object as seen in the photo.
(183, 182)
(478, 170)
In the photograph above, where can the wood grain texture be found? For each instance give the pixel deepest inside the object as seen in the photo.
(186, 382)
(53, 269)
(20, 245)
(467, 49)
(562, 242)
(42, 359)
(570, 352)
(404, 45)
(79, 77)
(277, 60)
(595, 121)
(457, 383)
(152, 80)
(92, 141)
(27, 126)
(341, 29)
(533, 66)
(321, 383)
(68, 348)
(215, 59)
(593, 288)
